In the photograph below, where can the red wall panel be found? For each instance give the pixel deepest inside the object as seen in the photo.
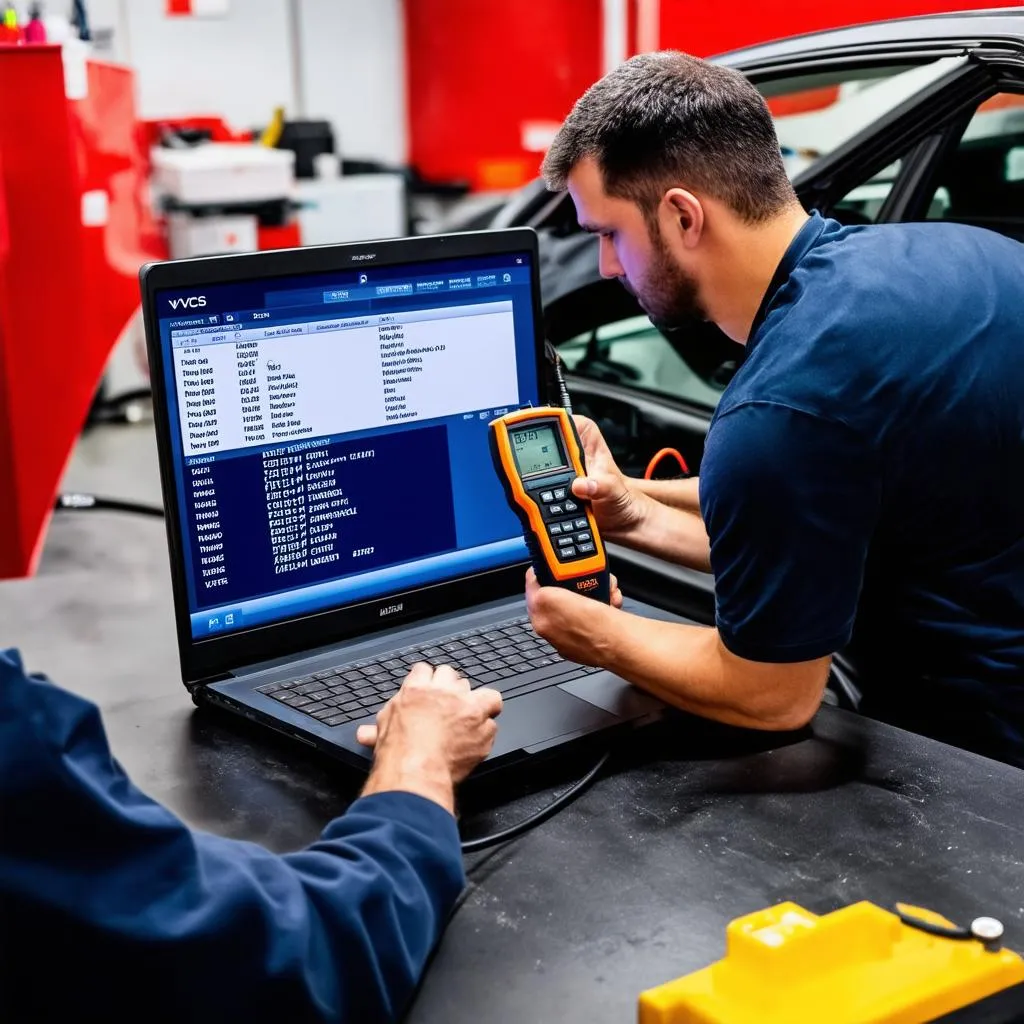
(477, 72)
(66, 289)
(704, 28)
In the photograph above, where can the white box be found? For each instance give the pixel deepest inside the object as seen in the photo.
(356, 208)
(224, 172)
(208, 236)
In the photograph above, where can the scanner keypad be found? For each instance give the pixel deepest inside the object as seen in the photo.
(570, 533)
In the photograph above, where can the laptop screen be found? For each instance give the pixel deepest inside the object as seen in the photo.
(329, 433)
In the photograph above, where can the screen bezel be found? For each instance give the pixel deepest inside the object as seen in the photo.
(209, 658)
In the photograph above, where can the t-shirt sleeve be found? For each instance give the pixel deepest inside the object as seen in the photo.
(790, 501)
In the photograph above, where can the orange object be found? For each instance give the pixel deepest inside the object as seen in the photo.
(663, 453)
(525, 484)
(74, 229)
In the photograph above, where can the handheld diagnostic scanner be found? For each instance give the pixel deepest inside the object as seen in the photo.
(537, 455)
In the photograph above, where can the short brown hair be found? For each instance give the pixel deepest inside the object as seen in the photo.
(664, 119)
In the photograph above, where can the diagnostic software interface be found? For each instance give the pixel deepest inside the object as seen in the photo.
(329, 433)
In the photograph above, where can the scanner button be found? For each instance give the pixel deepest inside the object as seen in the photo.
(559, 494)
(565, 542)
(548, 496)
(566, 553)
(581, 524)
(582, 538)
(555, 528)
(571, 506)
(586, 549)
(555, 510)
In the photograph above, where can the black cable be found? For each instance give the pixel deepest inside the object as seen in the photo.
(986, 930)
(122, 408)
(931, 928)
(91, 503)
(542, 815)
(563, 391)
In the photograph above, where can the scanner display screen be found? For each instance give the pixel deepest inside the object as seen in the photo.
(537, 450)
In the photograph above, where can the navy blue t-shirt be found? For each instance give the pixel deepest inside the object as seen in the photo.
(863, 478)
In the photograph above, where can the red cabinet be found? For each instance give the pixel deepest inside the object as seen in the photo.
(74, 230)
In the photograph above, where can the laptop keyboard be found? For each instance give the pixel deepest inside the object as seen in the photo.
(509, 657)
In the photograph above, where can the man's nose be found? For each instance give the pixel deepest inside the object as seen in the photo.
(607, 262)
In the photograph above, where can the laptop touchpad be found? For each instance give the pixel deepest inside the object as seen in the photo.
(531, 722)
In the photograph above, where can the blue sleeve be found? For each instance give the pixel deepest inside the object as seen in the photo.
(111, 906)
(790, 502)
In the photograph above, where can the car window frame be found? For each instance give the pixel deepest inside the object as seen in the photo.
(894, 135)
(1005, 75)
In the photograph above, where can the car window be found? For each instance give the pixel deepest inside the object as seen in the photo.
(635, 353)
(981, 180)
(816, 114)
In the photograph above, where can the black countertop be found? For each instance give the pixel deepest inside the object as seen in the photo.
(689, 826)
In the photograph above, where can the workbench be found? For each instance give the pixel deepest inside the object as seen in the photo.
(690, 826)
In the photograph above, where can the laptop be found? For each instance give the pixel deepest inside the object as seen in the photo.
(333, 515)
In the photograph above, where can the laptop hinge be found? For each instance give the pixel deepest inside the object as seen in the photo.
(198, 684)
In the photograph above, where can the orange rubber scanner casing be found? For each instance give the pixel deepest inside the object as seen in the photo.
(587, 575)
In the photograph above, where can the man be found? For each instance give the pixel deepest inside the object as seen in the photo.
(110, 908)
(862, 486)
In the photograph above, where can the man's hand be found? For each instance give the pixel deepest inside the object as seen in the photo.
(686, 666)
(574, 625)
(617, 507)
(431, 735)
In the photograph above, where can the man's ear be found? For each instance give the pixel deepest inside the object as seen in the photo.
(686, 213)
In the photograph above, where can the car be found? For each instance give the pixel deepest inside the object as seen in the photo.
(910, 119)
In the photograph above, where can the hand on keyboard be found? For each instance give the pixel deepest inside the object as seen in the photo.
(508, 656)
(431, 734)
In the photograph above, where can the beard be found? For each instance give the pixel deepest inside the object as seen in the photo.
(668, 294)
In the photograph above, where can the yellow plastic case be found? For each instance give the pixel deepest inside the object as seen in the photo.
(857, 965)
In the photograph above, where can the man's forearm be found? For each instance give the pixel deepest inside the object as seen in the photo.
(405, 773)
(681, 494)
(668, 533)
(689, 667)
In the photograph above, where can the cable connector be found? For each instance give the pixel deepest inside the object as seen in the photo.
(563, 391)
